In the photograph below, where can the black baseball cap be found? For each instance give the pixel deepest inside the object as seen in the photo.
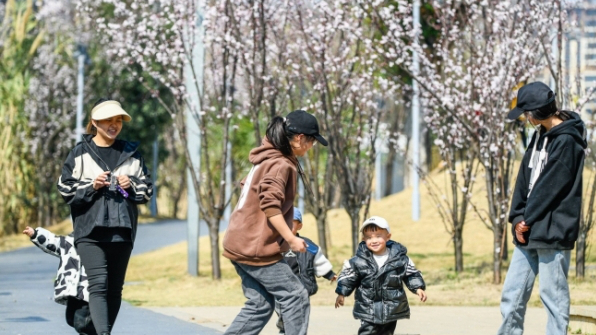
(531, 97)
(301, 122)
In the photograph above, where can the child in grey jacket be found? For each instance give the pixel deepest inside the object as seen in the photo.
(71, 285)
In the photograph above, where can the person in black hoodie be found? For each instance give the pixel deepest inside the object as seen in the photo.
(545, 210)
(103, 180)
(378, 273)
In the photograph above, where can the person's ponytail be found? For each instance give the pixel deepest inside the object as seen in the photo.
(279, 136)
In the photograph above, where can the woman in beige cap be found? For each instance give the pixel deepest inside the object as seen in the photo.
(103, 180)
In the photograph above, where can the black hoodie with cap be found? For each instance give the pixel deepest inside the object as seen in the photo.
(553, 210)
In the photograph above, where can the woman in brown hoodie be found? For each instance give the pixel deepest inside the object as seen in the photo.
(260, 228)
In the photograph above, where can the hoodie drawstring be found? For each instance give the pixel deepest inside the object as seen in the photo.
(537, 163)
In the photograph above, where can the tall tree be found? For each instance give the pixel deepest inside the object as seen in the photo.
(484, 49)
(331, 54)
(159, 38)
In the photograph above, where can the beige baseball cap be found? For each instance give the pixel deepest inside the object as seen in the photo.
(109, 109)
(377, 221)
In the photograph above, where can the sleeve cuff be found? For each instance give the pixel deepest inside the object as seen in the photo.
(517, 220)
(329, 275)
(34, 234)
(272, 211)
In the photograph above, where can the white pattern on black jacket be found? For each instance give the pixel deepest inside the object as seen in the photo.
(71, 280)
(87, 205)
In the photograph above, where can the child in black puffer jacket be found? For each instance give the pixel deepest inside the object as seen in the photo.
(378, 273)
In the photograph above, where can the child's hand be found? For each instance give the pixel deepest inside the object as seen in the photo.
(29, 231)
(421, 294)
(339, 301)
(334, 278)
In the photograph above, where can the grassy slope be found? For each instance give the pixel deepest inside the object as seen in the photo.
(11, 242)
(159, 278)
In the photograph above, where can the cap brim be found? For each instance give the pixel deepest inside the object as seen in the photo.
(321, 140)
(109, 109)
(125, 117)
(515, 113)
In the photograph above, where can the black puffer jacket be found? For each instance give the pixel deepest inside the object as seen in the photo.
(380, 295)
(87, 205)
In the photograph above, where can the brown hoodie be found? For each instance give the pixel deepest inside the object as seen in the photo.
(268, 190)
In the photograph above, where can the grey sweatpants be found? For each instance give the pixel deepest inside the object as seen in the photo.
(262, 286)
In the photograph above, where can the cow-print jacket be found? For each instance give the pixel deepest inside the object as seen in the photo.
(71, 280)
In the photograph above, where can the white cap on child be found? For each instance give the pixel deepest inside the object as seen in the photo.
(377, 221)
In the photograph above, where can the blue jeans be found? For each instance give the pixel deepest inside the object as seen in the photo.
(262, 286)
(553, 266)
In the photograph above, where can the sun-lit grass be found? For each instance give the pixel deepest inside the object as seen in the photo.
(16, 241)
(160, 278)
(11, 242)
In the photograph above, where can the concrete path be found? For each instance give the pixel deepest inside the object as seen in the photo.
(325, 320)
(26, 292)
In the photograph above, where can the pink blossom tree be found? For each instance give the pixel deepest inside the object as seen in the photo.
(331, 59)
(484, 49)
(159, 38)
(571, 95)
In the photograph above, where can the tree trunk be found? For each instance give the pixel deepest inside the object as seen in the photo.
(177, 195)
(214, 239)
(498, 241)
(580, 256)
(505, 245)
(328, 235)
(355, 219)
(322, 232)
(458, 243)
(40, 210)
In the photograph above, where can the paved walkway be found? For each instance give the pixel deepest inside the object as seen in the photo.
(26, 292)
(325, 320)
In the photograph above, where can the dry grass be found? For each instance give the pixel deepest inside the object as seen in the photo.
(16, 241)
(11, 242)
(159, 278)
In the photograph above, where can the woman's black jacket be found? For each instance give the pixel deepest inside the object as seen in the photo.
(380, 295)
(88, 206)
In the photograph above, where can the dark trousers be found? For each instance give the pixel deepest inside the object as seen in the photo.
(368, 328)
(79, 317)
(105, 264)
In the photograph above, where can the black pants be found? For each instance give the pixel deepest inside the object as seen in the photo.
(105, 264)
(79, 317)
(368, 328)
